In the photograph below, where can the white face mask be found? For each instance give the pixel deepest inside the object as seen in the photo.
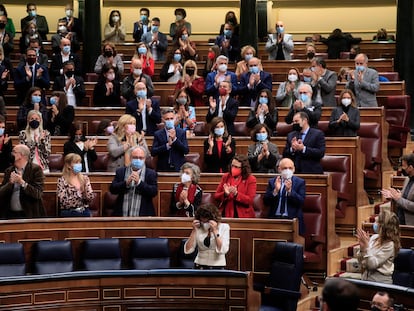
(137, 72)
(205, 225)
(286, 173)
(292, 78)
(185, 178)
(346, 101)
(115, 19)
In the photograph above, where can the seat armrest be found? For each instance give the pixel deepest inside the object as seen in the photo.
(318, 238)
(399, 128)
(376, 160)
(281, 292)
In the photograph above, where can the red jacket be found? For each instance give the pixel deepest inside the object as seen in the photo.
(243, 202)
(196, 91)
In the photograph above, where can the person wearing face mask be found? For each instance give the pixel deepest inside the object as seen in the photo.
(247, 52)
(263, 154)
(229, 42)
(74, 190)
(192, 83)
(279, 45)
(81, 146)
(210, 64)
(37, 139)
(61, 115)
(376, 253)
(305, 104)
(287, 93)
(180, 22)
(237, 189)
(136, 75)
(105, 127)
(65, 54)
(64, 32)
(142, 26)
(305, 146)
(187, 194)
(186, 45)
(144, 54)
(30, 74)
(73, 24)
(156, 40)
(146, 111)
(185, 114)
(5, 146)
(219, 147)
(364, 82)
(9, 24)
(285, 194)
(107, 91)
(114, 30)
(403, 201)
(124, 137)
(307, 75)
(382, 301)
(42, 57)
(109, 56)
(252, 82)
(22, 187)
(210, 237)
(170, 144)
(136, 186)
(6, 37)
(345, 118)
(310, 51)
(218, 75)
(265, 112)
(39, 20)
(172, 69)
(323, 83)
(34, 100)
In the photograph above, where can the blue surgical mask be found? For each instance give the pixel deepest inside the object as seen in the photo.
(36, 99)
(53, 101)
(142, 50)
(177, 57)
(32, 13)
(66, 49)
(154, 29)
(144, 18)
(142, 93)
(307, 79)
(227, 32)
(280, 29)
(247, 57)
(263, 100)
(375, 227)
(182, 100)
(1, 131)
(137, 163)
(261, 136)
(304, 97)
(77, 168)
(169, 124)
(254, 69)
(219, 131)
(184, 37)
(359, 68)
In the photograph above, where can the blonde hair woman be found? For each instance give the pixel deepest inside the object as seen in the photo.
(377, 253)
(192, 83)
(74, 189)
(121, 140)
(37, 139)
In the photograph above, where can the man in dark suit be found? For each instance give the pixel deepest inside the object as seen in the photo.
(136, 75)
(229, 43)
(22, 187)
(323, 83)
(305, 146)
(220, 74)
(71, 84)
(170, 144)
(145, 110)
(252, 82)
(65, 54)
(135, 185)
(224, 106)
(142, 26)
(39, 20)
(73, 24)
(285, 194)
(156, 40)
(42, 58)
(30, 74)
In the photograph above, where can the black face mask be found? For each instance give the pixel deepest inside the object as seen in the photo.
(34, 124)
(374, 308)
(108, 53)
(297, 127)
(2, 25)
(69, 73)
(190, 72)
(310, 55)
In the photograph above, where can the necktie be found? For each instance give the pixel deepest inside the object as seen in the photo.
(33, 76)
(283, 201)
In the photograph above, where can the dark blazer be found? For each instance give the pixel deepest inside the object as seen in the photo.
(76, 27)
(161, 46)
(172, 159)
(99, 95)
(21, 84)
(72, 147)
(147, 189)
(57, 64)
(30, 198)
(74, 43)
(61, 125)
(41, 25)
(327, 87)
(229, 114)
(7, 46)
(233, 52)
(139, 30)
(343, 128)
(307, 162)
(213, 163)
(5, 155)
(314, 113)
(78, 90)
(294, 201)
(24, 110)
(212, 90)
(250, 95)
(270, 120)
(128, 85)
(152, 120)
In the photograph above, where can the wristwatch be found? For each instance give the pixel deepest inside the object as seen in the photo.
(217, 235)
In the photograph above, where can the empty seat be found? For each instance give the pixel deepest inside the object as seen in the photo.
(52, 257)
(186, 260)
(101, 163)
(101, 254)
(404, 268)
(55, 162)
(371, 146)
(194, 158)
(109, 203)
(12, 259)
(150, 253)
(240, 129)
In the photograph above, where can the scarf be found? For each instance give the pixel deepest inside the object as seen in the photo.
(132, 198)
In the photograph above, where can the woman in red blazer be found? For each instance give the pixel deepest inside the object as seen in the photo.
(237, 190)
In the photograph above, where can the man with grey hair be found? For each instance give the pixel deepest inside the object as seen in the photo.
(22, 187)
(306, 104)
(221, 73)
(135, 185)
